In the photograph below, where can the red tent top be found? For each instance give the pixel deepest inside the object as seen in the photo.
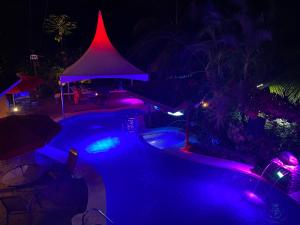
(101, 60)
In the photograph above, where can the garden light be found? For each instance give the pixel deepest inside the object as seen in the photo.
(15, 109)
(178, 113)
(204, 104)
(260, 86)
(280, 174)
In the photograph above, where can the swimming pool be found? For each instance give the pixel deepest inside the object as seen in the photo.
(167, 138)
(148, 186)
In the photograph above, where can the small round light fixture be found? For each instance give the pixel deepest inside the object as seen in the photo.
(15, 109)
(204, 104)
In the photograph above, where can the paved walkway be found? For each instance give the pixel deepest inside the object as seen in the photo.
(49, 197)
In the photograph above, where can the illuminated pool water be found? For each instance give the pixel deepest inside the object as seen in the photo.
(145, 186)
(166, 138)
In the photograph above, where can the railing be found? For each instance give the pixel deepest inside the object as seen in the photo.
(98, 211)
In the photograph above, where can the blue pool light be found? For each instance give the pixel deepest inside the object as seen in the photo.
(103, 145)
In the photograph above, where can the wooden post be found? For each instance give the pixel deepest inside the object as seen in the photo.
(187, 145)
(62, 100)
(72, 160)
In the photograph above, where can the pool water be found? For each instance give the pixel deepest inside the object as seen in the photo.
(146, 186)
(167, 138)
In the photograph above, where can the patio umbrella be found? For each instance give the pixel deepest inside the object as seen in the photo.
(28, 83)
(24, 133)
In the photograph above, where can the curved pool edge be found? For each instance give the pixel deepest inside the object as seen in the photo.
(200, 158)
(195, 157)
(79, 113)
(214, 161)
(227, 164)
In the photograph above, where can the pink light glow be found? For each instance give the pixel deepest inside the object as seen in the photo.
(282, 165)
(288, 158)
(253, 197)
(132, 101)
(293, 160)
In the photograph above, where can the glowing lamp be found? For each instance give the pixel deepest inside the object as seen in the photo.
(61, 83)
(204, 104)
(73, 152)
(15, 109)
(96, 94)
(260, 86)
(178, 113)
(280, 174)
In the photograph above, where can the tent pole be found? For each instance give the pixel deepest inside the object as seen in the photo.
(62, 100)
(69, 91)
(14, 101)
(187, 145)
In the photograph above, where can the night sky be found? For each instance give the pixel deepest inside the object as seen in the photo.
(22, 24)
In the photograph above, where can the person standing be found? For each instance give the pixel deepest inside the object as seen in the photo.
(76, 96)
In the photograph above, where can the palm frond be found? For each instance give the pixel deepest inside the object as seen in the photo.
(60, 25)
(288, 90)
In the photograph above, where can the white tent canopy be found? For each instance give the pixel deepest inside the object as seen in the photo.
(101, 60)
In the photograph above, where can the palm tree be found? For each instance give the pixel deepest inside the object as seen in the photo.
(232, 60)
(60, 25)
(288, 88)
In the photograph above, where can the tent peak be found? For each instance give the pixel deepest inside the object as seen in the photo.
(101, 60)
(101, 39)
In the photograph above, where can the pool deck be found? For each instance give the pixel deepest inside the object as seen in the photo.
(114, 101)
(94, 182)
